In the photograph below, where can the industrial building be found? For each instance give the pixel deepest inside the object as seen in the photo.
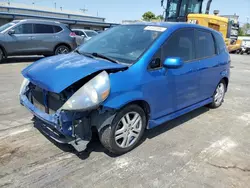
(14, 11)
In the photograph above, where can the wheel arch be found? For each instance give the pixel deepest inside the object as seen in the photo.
(4, 51)
(226, 80)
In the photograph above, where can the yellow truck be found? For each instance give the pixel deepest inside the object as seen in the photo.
(197, 12)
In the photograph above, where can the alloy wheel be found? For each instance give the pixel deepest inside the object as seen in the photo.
(219, 95)
(128, 129)
(62, 50)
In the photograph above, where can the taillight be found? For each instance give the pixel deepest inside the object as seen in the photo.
(72, 34)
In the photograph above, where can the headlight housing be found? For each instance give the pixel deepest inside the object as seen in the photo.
(23, 86)
(91, 94)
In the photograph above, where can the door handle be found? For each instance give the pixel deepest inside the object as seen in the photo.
(31, 38)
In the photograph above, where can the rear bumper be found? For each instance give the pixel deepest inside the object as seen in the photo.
(52, 126)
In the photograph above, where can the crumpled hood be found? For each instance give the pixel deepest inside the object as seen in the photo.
(59, 72)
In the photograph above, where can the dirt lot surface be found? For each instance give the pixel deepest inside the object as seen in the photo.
(205, 148)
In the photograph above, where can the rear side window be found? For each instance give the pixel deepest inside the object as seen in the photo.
(220, 43)
(57, 29)
(23, 29)
(205, 46)
(180, 44)
(43, 28)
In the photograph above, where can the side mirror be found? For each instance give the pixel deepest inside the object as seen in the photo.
(173, 63)
(11, 32)
(83, 36)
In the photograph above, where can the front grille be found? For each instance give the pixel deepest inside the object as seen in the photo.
(46, 101)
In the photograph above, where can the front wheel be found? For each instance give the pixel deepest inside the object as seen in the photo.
(219, 95)
(125, 131)
(62, 49)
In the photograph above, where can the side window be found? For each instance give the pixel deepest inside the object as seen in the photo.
(156, 62)
(205, 46)
(42, 28)
(23, 29)
(57, 29)
(180, 44)
(220, 43)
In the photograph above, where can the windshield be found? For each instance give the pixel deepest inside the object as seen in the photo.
(6, 26)
(91, 33)
(172, 8)
(124, 43)
(194, 6)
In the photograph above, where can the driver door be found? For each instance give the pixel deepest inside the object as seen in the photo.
(176, 89)
(21, 41)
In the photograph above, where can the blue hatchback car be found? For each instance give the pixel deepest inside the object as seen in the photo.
(125, 80)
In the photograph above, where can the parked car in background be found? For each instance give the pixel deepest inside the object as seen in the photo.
(99, 31)
(125, 80)
(84, 35)
(35, 37)
(245, 47)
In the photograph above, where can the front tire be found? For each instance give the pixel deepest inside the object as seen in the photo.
(125, 131)
(219, 94)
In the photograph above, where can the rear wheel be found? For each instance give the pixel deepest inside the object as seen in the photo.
(125, 131)
(62, 49)
(219, 95)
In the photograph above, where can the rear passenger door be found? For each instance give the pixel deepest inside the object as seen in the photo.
(44, 38)
(209, 63)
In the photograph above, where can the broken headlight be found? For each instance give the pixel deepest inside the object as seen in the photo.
(24, 85)
(91, 94)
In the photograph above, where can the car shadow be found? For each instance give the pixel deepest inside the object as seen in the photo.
(95, 145)
(21, 59)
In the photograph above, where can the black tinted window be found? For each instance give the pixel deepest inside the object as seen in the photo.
(57, 29)
(42, 28)
(76, 32)
(220, 43)
(205, 46)
(180, 44)
(23, 29)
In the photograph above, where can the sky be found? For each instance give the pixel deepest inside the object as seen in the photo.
(116, 11)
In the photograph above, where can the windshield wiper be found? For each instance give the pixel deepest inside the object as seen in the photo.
(83, 53)
(104, 57)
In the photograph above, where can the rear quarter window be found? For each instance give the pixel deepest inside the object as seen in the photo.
(220, 43)
(57, 29)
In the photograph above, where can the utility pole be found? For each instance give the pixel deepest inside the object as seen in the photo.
(84, 9)
(55, 5)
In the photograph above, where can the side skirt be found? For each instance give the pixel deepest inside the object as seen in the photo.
(159, 121)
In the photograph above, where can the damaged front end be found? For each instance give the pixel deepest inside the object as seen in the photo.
(67, 117)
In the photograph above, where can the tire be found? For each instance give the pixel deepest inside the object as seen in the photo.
(121, 137)
(62, 49)
(219, 94)
(1, 55)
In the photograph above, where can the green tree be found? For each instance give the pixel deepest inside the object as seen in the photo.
(241, 32)
(147, 16)
(160, 17)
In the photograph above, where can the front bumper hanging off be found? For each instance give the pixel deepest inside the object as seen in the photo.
(60, 126)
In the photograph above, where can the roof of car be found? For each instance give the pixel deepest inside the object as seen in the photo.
(174, 25)
(37, 20)
(83, 29)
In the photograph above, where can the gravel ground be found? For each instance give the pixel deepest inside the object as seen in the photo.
(205, 148)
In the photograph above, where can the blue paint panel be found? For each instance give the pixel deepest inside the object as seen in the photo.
(58, 72)
(154, 123)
